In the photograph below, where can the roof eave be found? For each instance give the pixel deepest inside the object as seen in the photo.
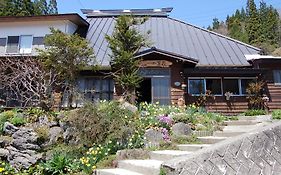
(166, 53)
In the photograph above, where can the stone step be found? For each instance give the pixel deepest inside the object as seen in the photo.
(227, 133)
(116, 171)
(241, 128)
(211, 139)
(151, 167)
(192, 147)
(164, 155)
(239, 122)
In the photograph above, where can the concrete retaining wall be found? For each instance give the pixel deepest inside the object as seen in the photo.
(258, 152)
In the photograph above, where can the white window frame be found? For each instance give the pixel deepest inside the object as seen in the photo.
(18, 50)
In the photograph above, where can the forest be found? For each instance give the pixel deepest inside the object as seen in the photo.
(257, 24)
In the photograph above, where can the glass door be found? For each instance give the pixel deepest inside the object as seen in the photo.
(161, 90)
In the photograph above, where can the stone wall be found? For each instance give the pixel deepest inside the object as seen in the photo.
(258, 152)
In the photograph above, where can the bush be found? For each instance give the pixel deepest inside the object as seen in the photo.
(253, 112)
(99, 123)
(17, 121)
(276, 114)
(3, 119)
(43, 133)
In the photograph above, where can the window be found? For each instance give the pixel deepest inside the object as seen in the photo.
(214, 85)
(245, 84)
(277, 76)
(231, 85)
(161, 90)
(19, 44)
(95, 89)
(196, 86)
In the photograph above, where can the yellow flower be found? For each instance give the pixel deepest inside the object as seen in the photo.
(2, 170)
(94, 167)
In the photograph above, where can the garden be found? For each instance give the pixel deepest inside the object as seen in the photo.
(79, 141)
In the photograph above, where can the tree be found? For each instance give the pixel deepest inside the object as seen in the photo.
(40, 7)
(53, 7)
(125, 43)
(66, 55)
(253, 22)
(25, 81)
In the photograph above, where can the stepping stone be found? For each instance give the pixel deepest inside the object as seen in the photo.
(227, 133)
(211, 139)
(164, 155)
(192, 147)
(151, 167)
(116, 171)
(239, 122)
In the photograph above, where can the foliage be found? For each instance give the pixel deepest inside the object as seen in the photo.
(259, 26)
(276, 114)
(102, 122)
(60, 164)
(66, 55)
(107, 162)
(125, 43)
(253, 112)
(204, 98)
(27, 7)
(192, 139)
(33, 114)
(43, 133)
(6, 168)
(255, 95)
(18, 120)
(11, 116)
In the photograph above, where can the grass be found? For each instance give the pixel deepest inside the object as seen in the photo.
(192, 139)
(107, 162)
(276, 114)
(253, 112)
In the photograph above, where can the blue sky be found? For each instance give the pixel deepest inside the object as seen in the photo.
(198, 12)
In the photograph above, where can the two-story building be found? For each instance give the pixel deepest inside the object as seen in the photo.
(182, 62)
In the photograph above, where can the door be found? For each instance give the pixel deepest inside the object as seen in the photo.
(161, 90)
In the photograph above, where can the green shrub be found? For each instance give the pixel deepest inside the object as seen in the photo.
(253, 112)
(17, 121)
(3, 119)
(99, 123)
(60, 164)
(43, 133)
(276, 114)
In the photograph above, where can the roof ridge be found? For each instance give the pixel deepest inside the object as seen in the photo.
(220, 35)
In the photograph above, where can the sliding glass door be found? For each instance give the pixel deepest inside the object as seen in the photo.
(161, 90)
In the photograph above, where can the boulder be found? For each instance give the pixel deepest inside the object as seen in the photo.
(9, 128)
(180, 129)
(26, 134)
(54, 134)
(4, 153)
(70, 136)
(53, 123)
(129, 107)
(153, 138)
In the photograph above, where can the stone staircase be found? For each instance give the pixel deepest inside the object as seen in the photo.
(152, 165)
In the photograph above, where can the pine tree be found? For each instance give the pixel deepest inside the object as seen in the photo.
(253, 23)
(52, 9)
(40, 7)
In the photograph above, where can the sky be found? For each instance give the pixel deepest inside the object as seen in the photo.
(197, 12)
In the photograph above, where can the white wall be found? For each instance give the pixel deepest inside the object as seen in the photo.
(37, 28)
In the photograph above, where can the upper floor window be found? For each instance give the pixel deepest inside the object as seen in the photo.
(277, 76)
(19, 44)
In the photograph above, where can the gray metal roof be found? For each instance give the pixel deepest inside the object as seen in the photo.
(176, 38)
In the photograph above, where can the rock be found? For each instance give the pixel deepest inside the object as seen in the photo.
(70, 136)
(153, 138)
(4, 153)
(9, 128)
(64, 125)
(53, 123)
(22, 144)
(180, 128)
(132, 154)
(28, 135)
(200, 127)
(54, 134)
(5, 141)
(43, 120)
(129, 107)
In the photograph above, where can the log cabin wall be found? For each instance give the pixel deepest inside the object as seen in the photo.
(273, 90)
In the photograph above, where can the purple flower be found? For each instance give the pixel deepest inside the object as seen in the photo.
(165, 134)
(166, 120)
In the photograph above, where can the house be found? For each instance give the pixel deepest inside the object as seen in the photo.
(183, 61)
